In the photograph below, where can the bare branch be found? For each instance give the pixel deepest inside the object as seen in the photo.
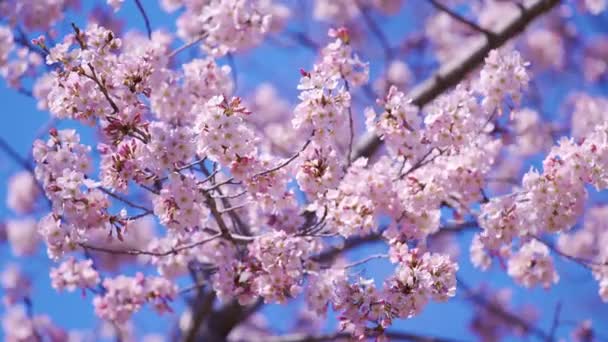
(554, 325)
(285, 163)
(141, 252)
(187, 45)
(141, 9)
(217, 215)
(369, 258)
(125, 200)
(233, 208)
(489, 34)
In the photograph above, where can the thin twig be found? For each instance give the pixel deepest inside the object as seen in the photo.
(285, 163)
(234, 208)
(125, 200)
(187, 45)
(461, 19)
(239, 194)
(554, 325)
(233, 72)
(142, 252)
(351, 126)
(581, 261)
(141, 9)
(363, 261)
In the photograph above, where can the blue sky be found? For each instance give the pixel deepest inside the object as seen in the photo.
(577, 292)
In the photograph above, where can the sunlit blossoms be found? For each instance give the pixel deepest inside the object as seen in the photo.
(125, 295)
(225, 25)
(268, 170)
(502, 75)
(325, 97)
(72, 274)
(22, 192)
(532, 265)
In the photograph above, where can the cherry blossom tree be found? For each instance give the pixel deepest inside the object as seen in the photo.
(176, 176)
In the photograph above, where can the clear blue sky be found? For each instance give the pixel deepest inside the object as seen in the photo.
(577, 292)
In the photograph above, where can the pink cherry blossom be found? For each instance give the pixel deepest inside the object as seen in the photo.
(72, 274)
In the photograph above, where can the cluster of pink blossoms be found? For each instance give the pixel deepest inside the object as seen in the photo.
(16, 62)
(125, 295)
(587, 244)
(325, 98)
(364, 310)
(23, 192)
(15, 285)
(274, 269)
(18, 322)
(72, 274)
(36, 15)
(180, 205)
(23, 236)
(344, 11)
(502, 75)
(454, 120)
(548, 202)
(215, 170)
(226, 26)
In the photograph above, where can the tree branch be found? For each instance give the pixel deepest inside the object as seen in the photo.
(504, 314)
(441, 7)
(141, 9)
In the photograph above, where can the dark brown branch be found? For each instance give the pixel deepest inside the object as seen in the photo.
(145, 16)
(221, 322)
(441, 7)
(217, 215)
(452, 73)
(204, 304)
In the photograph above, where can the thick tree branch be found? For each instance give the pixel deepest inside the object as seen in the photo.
(452, 73)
